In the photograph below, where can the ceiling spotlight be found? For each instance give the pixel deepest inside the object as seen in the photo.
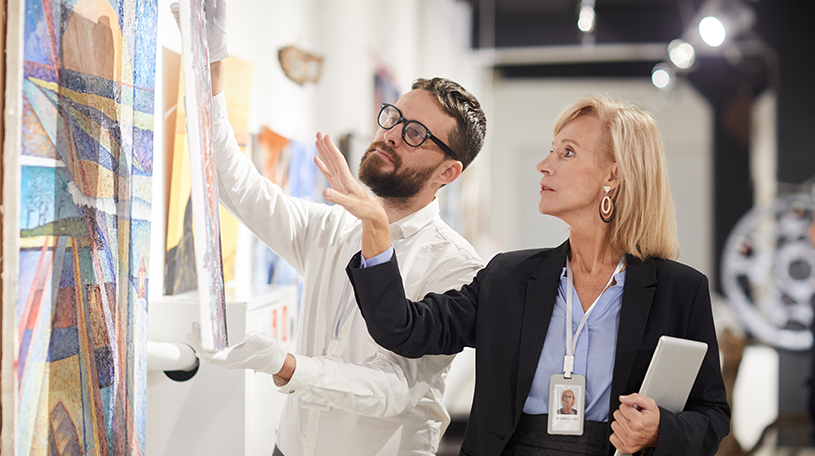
(585, 22)
(681, 54)
(586, 16)
(663, 76)
(712, 31)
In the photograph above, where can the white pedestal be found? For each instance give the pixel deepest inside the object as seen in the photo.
(218, 411)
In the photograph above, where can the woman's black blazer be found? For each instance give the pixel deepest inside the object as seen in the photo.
(504, 314)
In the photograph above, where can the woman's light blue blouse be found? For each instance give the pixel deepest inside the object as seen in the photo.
(593, 356)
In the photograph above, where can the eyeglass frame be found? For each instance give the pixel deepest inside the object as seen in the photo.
(444, 147)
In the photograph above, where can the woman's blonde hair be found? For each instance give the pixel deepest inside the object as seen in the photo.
(645, 223)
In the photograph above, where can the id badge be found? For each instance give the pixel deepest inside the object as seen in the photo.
(566, 404)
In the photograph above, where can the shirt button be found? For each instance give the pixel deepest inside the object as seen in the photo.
(344, 329)
(314, 414)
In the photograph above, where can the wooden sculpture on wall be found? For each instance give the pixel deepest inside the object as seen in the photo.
(300, 66)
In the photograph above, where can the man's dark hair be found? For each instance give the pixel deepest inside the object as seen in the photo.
(471, 123)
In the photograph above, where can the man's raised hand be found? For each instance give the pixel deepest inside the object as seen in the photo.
(349, 193)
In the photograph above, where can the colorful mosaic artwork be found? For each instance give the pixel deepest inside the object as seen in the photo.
(87, 161)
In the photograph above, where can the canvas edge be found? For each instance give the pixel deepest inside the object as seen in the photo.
(11, 218)
(206, 296)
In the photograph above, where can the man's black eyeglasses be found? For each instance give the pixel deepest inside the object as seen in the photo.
(414, 133)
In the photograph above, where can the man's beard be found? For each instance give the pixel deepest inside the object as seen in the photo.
(393, 185)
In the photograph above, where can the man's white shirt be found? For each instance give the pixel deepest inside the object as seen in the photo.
(348, 396)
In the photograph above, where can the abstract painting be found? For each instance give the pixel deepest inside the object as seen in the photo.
(385, 90)
(85, 158)
(270, 153)
(204, 180)
(180, 271)
(289, 164)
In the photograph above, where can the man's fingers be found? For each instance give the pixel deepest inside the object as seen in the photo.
(330, 154)
(330, 175)
(323, 169)
(325, 154)
(336, 197)
(332, 164)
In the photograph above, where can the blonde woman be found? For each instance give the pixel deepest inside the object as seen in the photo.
(606, 178)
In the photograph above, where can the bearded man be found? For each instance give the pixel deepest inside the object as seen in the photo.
(347, 395)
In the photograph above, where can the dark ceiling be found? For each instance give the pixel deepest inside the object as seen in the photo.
(781, 25)
(784, 27)
(553, 22)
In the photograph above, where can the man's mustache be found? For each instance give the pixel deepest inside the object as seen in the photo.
(384, 147)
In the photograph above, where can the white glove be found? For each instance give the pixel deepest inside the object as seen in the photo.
(259, 352)
(174, 10)
(216, 28)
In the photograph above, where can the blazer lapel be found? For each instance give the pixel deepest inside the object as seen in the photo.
(541, 292)
(638, 295)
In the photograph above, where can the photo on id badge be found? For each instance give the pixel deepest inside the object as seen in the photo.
(566, 411)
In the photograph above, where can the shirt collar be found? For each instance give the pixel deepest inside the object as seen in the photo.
(410, 225)
(619, 278)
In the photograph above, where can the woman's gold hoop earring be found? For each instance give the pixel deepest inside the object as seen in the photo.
(608, 209)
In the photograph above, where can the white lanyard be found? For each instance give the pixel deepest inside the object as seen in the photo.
(568, 360)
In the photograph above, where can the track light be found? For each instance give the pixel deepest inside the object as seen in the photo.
(663, 76)
(585, 21)
(586, 16)
(712, 31)
(681, 54)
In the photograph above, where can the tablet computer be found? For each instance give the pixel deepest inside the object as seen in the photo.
(672, 371)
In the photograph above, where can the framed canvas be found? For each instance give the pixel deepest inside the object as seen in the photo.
(204, 179)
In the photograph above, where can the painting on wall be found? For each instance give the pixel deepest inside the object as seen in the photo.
(84, 151)
(180, 271)
(271, 154)
(204, 180)
(289, 164)
(385, 90)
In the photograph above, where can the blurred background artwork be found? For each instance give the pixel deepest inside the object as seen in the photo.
(290, 164)
(385, 89)
(768, 272)
(299, 65)
(86, 161)
(271, 154)
(180, 271)
(765, 322)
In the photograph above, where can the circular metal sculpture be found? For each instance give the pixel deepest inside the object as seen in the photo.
(768, 272)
